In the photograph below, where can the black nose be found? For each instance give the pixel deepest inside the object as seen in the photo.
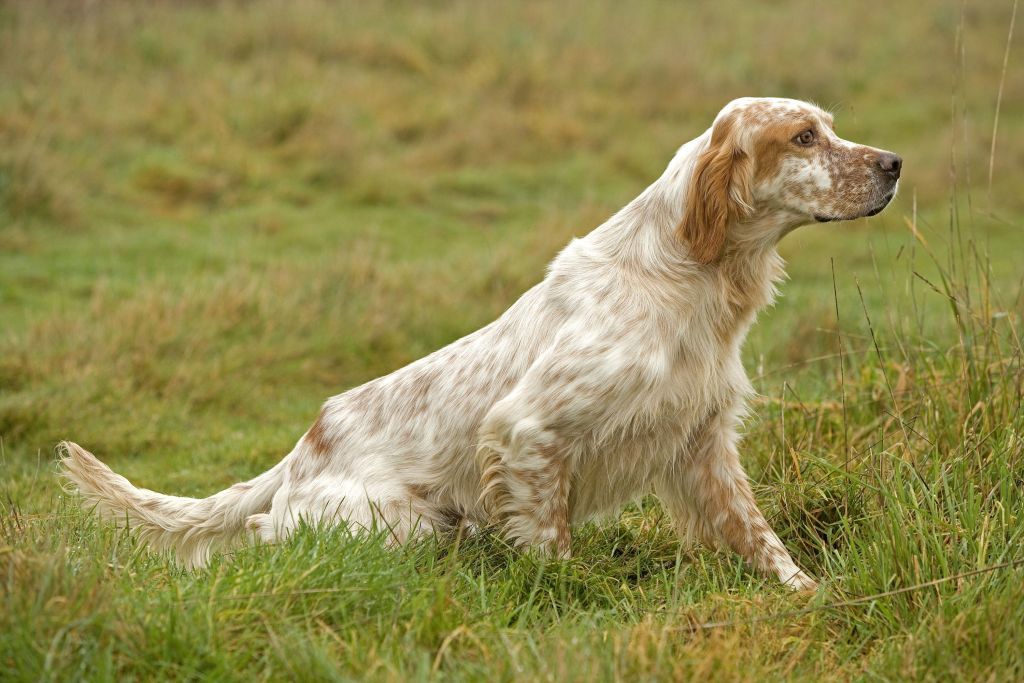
(890, 163)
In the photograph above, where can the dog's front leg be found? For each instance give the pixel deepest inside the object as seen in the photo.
(708, 494)
(525, 442)
(578, 391)
(525, 481)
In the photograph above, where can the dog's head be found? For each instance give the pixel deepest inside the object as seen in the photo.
(773, 164)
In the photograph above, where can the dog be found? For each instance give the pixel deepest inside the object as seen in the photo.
(618, 375)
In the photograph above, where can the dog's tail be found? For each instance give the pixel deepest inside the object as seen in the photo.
(191, 527)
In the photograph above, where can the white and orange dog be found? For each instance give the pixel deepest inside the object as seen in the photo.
(618, 375)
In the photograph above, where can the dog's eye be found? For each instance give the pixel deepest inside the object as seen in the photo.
(805, 138)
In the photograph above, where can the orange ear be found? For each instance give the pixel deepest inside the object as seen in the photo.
(718, 194)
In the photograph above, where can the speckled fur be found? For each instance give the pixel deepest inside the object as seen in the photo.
(618, 375)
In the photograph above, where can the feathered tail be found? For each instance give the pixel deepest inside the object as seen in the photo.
(192, 527)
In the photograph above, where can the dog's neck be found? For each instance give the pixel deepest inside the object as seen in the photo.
(643, 237)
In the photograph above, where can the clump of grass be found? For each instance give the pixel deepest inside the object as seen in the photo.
(30, 190)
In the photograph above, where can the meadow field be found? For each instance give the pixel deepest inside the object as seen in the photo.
(215, 215)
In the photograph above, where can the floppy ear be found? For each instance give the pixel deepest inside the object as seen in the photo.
(719, 193)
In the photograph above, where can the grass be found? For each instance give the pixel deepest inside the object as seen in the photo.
(213, 216)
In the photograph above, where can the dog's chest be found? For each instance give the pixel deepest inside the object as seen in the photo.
(705, 371)
(702, 378)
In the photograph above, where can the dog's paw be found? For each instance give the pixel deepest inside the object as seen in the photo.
(801, 582)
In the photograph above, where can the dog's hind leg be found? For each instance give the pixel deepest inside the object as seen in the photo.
(327, 502)
(262, 527)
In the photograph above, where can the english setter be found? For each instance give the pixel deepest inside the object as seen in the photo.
(618, 375)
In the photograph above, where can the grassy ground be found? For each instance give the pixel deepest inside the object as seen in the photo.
(213, 216)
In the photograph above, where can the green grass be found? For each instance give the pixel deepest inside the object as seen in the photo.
(213, 216)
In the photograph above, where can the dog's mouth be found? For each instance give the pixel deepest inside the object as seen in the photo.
(873, 212)
(878, 209)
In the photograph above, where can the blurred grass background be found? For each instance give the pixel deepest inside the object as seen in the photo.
(215, 215)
